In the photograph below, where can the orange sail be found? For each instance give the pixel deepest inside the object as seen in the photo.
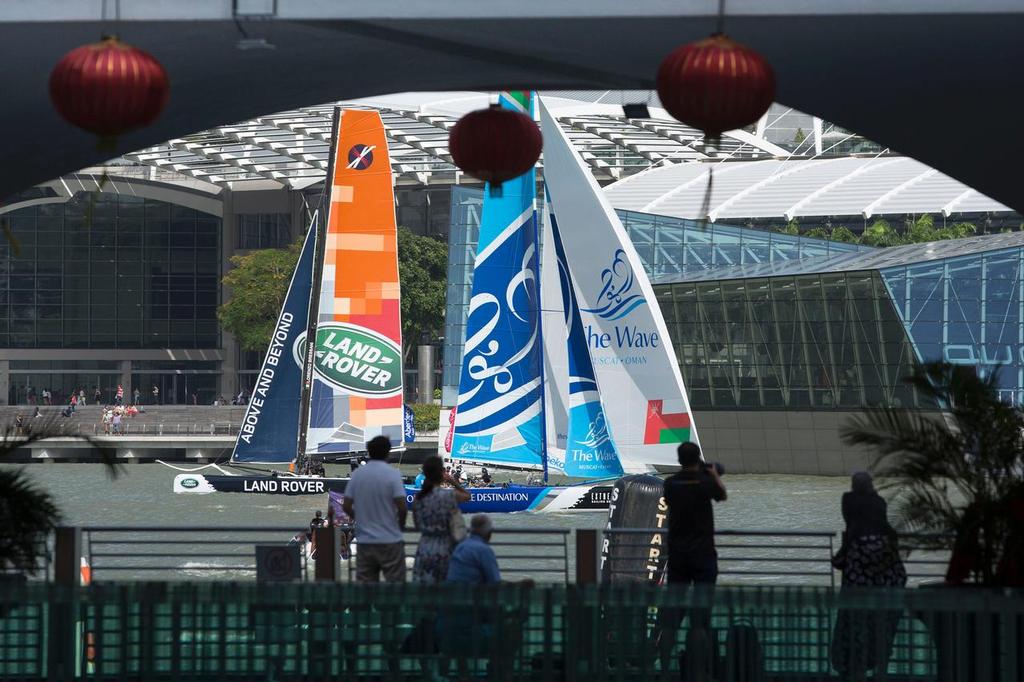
(357, 391)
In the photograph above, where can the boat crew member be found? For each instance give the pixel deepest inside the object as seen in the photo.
(485, 476)
(318, 521)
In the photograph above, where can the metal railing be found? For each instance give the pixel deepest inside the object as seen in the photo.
(179, 553)
(326, 631)
(747, 557)
(70, 427)
(229, 553)
(169, 429)
(763, 556)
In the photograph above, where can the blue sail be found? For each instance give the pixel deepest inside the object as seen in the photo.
(589, 447)
(270, 429)
(499, 412)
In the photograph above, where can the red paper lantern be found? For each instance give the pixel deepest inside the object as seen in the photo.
(109, 87)
(716, 84)
(495, 144)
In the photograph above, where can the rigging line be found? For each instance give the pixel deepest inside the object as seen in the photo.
(200, 468)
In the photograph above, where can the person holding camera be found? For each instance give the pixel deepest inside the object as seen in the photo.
(692, 558)
(691, 521)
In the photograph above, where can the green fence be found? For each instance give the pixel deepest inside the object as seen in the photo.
(170, 631)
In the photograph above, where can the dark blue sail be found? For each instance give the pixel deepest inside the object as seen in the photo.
(270, 429)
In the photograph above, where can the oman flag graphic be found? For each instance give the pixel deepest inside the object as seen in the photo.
(666, 427)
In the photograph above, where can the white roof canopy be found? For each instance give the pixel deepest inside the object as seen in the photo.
(788, 189)
(290, 147)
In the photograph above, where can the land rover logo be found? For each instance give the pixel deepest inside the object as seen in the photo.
(355, 359)
(189, 483)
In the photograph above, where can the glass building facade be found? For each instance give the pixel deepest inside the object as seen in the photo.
(463, 234)
(816, 341)
(110, 271)
(115, 272)
(966, 310)
(770, 321)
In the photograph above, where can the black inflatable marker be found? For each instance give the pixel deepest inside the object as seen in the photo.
(636, 502)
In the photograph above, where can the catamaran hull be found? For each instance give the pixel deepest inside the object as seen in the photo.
(201, 484)
(529, 498)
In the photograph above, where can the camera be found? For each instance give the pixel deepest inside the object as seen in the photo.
(717, 466)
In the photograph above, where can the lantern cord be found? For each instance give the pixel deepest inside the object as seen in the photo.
(710, 141)
(720, 23)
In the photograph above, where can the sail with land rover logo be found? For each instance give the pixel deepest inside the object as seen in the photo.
(357, 362)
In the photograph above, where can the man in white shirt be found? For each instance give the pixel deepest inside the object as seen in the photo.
(375, 499)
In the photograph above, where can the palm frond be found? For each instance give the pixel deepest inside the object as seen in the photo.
(954, 473)
(28, 513)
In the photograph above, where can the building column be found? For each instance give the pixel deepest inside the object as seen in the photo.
(126, 379)
(5, 380)
(228, 246)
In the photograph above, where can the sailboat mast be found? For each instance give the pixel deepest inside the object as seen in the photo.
(540, 320)
(314, 296)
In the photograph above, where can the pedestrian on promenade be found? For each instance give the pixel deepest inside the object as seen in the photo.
(137, 394)
(81, 397)
(434, 512)
(119, 398)
(474, 562)
(156, 394)
(74, 401)
(485, 631)
(97, 396)
(869, 556)
(692, 558)
(47, 397)
(116, 421)
(375, 500)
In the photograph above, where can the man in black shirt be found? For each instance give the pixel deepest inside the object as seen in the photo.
(691, 521)
(692, 558)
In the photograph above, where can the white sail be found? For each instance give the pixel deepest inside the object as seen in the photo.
(639, 379)
(556, 356)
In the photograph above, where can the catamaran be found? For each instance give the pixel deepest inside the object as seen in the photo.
(541, 350)
(325, 400)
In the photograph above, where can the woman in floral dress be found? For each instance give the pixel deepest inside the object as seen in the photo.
(431, 513)
(869, 557)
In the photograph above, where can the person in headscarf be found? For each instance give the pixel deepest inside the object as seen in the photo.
(869, 557)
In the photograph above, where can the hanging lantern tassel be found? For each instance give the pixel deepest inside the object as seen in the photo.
(495, 145)
(715, 85)
(109, 88)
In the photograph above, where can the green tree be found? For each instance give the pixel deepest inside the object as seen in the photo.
(259, 284)
(958, 231)
(423, 268)
(920, 230)
(799, 137)
(841, 233)
(881, 233)
(792, 227)
(817, 233)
